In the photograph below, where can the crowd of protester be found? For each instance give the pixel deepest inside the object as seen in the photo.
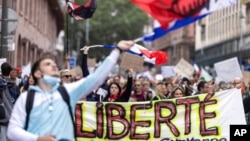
(128, 87)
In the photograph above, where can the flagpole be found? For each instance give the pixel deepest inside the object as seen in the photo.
(138, 39)
(93, 46)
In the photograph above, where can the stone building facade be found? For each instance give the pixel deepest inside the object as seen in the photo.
(178, 44)
(39, 24)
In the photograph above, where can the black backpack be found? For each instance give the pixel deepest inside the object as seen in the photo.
(30, 100)
(5, 103)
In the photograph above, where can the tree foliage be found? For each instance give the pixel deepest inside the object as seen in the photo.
(114, 20)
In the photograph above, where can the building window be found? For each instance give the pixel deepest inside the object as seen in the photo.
(248, 14)
(203, 32)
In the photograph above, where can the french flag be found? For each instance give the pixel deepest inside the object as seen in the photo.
(154, 57)
(159, 31)
(172, 14)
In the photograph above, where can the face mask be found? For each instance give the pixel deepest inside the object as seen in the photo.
(51, 80)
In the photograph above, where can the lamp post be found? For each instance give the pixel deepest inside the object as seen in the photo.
(3, 49)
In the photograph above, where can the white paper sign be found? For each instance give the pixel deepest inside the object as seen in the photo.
(184, 68)
(228, 69)
(167, 71)
(102, 92)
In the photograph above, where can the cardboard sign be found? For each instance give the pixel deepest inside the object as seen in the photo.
(130, 61)
(91, 62)
(184, 68)
(228, 70)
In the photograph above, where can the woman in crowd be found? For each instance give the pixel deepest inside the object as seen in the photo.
(177, 92)
(65, 76)
(115, 93)
(164, 93)
(29, 82)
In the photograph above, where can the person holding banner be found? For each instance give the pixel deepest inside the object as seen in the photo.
(49, 118)
(239, 84)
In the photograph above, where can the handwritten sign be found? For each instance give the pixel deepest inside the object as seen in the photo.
(196, 118)
(184, 68)
(130, 61)
(228, 69)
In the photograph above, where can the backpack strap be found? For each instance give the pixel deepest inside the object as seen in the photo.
(62, 90)
(28, 106)
(30, 100)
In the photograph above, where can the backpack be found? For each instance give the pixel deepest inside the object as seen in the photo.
(30, 100)
(13, 90)
(6, 105)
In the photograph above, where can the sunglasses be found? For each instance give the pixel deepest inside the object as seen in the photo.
(67, 76)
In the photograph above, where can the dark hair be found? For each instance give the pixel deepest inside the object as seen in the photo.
(6, 69)
(108, 95)
(185, 80)
(36, 66)
(27, 84)
(201, 85)
(147, 96)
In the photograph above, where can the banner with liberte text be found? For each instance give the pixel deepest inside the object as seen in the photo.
(205, 117)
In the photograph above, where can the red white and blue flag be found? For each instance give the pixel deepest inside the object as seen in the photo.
(173, 14)
(154, 57)
(81, 11)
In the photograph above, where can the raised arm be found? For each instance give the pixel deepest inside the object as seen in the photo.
(85, 70)
(84, 86)
(127, 93)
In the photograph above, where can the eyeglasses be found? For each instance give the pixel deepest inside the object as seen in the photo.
(138, 85)
(67, 76)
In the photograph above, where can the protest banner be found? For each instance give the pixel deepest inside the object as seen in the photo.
(201, 117)
(130, 61)
(184, 68)
(228, 69)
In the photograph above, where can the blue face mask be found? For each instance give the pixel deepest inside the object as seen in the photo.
(51, 80)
